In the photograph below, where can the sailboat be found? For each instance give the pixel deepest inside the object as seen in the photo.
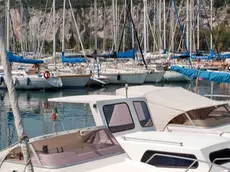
(23, 79)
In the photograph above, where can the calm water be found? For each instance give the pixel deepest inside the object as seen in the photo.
(37, 112)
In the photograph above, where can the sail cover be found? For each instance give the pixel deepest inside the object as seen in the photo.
(20, 59)
(72, 59)
(223, 77)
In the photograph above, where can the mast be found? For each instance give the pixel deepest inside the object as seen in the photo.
(23, 139)
(190, 28)
(54, 33)
(63, 28)
(114, 26)
(95, 19)
(133, 41)
(145, 29)
(8, 25)
(187, 22)
(198, 24)
(164, 25)
(211, 38)
(160, 10)
(124, 22)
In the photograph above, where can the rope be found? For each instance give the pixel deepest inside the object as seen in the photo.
(197, 80)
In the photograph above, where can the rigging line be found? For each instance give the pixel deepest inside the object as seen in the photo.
(135, 31)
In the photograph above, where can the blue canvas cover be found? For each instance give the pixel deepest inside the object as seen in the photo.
(20, 59)
(72, 59)
(223, 77)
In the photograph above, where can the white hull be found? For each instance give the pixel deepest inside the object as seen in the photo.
(155, 76)
(33, 82)
(126, 78)
(74, 80)
(94, 81)
(172, 76)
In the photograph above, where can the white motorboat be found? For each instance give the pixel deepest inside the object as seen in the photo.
(86, 150)
(130, 122)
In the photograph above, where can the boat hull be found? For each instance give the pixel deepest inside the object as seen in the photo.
(126, 78)
(74, 80)
(32, 83)
(154, 77)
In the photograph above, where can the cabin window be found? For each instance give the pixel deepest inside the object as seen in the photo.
(224, 153)
(143, 114)
(118, 117)
(160, 159)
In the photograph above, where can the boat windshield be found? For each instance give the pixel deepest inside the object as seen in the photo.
(205, 117)
(70, 148)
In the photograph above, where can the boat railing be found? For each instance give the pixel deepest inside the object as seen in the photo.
(194, 161)
(151, 140)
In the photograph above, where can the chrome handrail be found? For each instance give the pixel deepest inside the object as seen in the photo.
(150, 140)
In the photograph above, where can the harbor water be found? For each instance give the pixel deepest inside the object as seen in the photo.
(38, 116)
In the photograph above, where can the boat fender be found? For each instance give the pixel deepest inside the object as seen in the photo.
(1, 80)
(46, 74)
(28, 81)
(118, 77)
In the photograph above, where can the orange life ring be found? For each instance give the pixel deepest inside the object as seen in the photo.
(46, 74)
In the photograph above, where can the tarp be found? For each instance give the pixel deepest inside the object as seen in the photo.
(166, 103)
(223, 77)
(20, 59)
(72, 59)
(120, 55)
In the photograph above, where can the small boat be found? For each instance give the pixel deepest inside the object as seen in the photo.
(86, 150)
(130, 121)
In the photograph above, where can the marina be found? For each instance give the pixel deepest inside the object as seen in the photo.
(109, 85)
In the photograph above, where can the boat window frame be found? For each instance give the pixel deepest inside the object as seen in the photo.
(129, 114)
(179, 156)
(139, 101)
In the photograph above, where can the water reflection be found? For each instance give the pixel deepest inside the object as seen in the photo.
(37, 112)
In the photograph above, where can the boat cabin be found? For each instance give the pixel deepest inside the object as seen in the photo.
(131, 123)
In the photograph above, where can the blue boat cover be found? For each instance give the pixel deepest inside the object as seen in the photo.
(126, 54)
(182, 55)
(72, 59)
(223, 77)
(20, 59)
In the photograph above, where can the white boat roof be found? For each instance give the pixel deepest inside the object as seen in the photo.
(166, 103)
(84, 99)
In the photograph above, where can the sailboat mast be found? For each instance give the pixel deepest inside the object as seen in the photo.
(63, 28)
(190, 28)
(54, 32)
(23, 139)
(211, 38)
(164, 25)
(8, 25)
(95, 19)
(131, 5)
(145, 34)
(124, 37)
(187, 23)
(198, 24)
